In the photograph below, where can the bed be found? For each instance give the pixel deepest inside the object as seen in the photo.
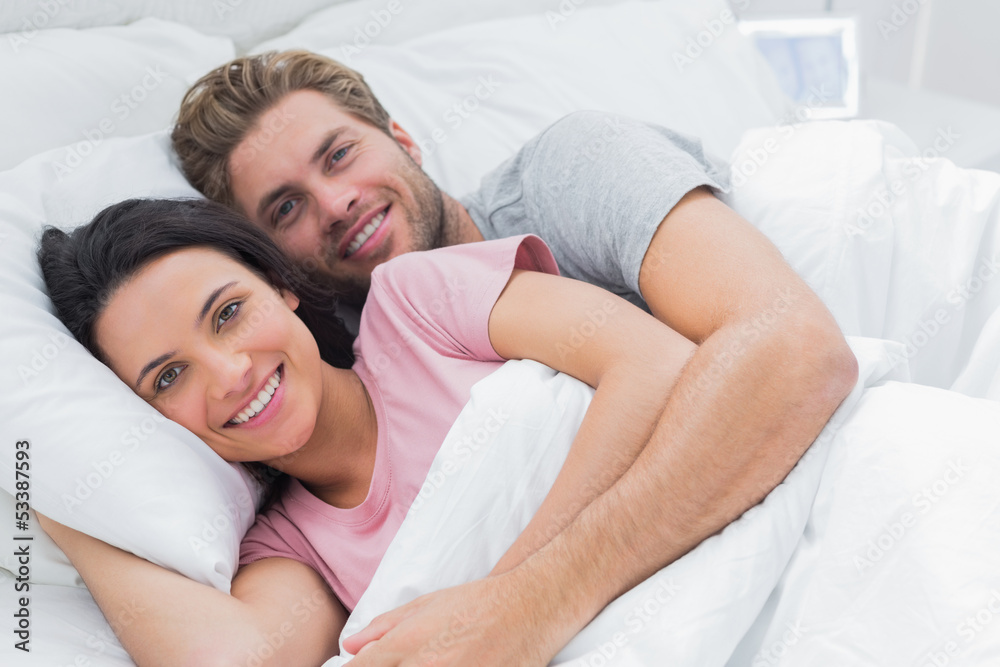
(901, 244)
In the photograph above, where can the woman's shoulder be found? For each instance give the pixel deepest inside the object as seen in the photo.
(453, 266)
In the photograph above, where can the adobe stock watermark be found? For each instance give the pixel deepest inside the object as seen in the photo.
(600, 145)
(712, 29)
(41, 357)
(453, 289)
(886, 196)
(301, 612)
(39, 20)
(102, 470)
(222, 523)
(922, 502)
(224, 7)
(566, 9)
(261, 138)
(121, 108)
(754, 159)
(772, 655)
(462, 449)
(899, 16)
(450, 636)
(929, 327)
(369, 32)
(458, 113)
(967, 630)
(579, 335)
(749, 332)
(104, 641)
(644, 612)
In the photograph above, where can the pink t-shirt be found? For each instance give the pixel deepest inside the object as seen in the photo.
(423, 342)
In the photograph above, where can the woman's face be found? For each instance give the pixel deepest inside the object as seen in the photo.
(218, 350)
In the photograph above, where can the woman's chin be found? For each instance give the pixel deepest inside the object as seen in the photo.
(285, 454)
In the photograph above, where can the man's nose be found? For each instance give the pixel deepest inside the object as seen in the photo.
(337, 204)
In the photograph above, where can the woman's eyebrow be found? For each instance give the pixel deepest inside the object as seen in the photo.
(210, 301)
(150, 366)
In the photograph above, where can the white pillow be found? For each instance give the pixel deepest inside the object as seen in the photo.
(187, 509)
(494, 85)
(101, 459)
(246, 22)
(77, 88)
(355, 25)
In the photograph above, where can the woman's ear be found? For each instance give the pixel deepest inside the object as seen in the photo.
(289, 297)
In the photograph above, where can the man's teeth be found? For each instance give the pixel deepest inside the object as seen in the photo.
(365, 234)
(257, 404)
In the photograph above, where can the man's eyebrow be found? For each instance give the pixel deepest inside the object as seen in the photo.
(209, 302)
(277, 192)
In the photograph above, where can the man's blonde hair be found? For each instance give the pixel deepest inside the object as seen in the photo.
(222, 108)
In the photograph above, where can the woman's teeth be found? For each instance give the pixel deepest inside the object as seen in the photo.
(257, 404)
(365, 234)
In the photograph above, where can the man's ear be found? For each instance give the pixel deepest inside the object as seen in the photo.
(290, 298)
(404, 139)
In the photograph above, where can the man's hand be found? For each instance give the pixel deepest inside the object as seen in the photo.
(480, 623)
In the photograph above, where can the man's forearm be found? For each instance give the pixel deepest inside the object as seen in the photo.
(743, 412)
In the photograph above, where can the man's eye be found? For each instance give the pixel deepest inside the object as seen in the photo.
(167, 378)
(285, 208)
(338, 155)
(227, 313)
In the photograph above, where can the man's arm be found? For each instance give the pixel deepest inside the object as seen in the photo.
(771, 369)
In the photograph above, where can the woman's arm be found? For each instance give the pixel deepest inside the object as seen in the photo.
(280, 612)
(630, 358)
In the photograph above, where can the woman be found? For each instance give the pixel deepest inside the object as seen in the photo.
(201, 315)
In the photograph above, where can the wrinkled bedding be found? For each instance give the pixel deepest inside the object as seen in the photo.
(870, 552)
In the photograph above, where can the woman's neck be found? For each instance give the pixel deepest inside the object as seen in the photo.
(337, 462)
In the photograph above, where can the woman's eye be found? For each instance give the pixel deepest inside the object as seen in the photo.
(167, 378)
(227, 314)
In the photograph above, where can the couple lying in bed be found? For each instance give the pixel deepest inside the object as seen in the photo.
(714, 365)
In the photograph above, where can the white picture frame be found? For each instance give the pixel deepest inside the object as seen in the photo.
(815, 60)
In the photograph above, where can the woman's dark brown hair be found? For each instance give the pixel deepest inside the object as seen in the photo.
(85, 267)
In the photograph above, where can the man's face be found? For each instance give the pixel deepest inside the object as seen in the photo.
(333, 191)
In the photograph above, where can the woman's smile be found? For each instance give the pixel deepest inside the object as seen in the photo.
(264, 405)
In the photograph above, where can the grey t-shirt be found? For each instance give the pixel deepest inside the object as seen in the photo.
(595, 186)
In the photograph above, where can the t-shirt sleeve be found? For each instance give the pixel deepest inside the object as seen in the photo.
(266, 539)
(595, 186)
(445, 296)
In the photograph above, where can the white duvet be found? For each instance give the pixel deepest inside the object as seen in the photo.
(880, 571)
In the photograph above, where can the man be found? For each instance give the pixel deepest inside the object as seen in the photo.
(300, 145)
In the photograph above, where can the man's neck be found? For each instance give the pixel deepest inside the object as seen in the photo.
(459, 226)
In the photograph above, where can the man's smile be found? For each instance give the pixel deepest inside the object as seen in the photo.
(366, 235)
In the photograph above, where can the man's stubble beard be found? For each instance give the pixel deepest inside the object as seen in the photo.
(428, 227)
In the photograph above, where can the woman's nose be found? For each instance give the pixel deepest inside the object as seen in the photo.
(229, 373)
